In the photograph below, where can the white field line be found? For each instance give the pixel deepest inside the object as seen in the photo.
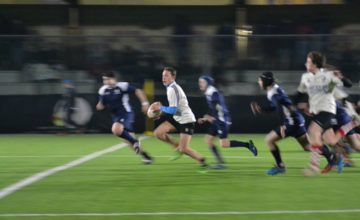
(213, 213)
(39, 176)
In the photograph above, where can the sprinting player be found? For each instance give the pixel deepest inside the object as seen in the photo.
(182, 120)
(319, 84)
(292, 122)
(220, 121)
(344, 121)
(115, 96)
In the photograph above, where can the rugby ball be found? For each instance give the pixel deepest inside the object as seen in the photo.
(151, 113)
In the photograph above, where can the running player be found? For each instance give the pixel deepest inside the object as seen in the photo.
(220, 121)
(182, 120)
(292, 122)
(115, 96)
(319, 84)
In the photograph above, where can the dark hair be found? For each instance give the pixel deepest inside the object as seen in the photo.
(171, 70)
(109, 74)
(317, 58)
(267, 79)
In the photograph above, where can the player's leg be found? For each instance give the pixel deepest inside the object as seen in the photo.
(162, 133)
(353, 139)
(271, 139)
(223, 131)
(315, 139)
(119, 130)
(209, 140)
(183, 147)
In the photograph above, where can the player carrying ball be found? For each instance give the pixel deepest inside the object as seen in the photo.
(182, 120)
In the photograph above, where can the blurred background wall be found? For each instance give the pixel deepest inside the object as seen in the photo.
(44, 42)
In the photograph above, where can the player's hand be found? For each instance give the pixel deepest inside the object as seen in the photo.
(255, 108)
(338, 74)
(201, 120)
(100, 106)
(156, 106)
(209, 118)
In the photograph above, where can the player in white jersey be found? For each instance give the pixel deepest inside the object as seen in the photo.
(182, 120)
(319, 84)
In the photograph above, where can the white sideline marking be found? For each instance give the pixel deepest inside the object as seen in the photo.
(278, 212)
(39, 176)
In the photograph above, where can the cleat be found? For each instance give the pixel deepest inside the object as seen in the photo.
(252, 148)
(203, 169)
(177, 155)
(327, 169)
(147, 161)
(340, 164)
(276, 170)
(218, 167)
(310, 172)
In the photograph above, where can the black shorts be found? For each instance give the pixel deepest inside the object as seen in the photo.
(187, 128)
(325, 120)
(295, 131)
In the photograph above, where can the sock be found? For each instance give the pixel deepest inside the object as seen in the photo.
(238, 144)
(217, 154)
(328, 154)
(346, 128)
(277, 156)
(145, 155)
(125, 135)
(202, 162)
(315, 158)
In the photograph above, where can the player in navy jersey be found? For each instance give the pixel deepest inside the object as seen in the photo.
(292, 122)
(116, 96)
(220, 121)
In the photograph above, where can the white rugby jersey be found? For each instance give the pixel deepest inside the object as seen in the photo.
(177, 98)
(320, 88)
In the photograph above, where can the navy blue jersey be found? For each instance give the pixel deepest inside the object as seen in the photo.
(217, 106)
(342, 117)
(281, 102)
(117, 98)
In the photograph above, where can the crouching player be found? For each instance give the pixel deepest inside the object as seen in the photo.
(220, 121)
(115, 96)
(292, 122)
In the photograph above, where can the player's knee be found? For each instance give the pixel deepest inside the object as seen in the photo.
(209, 142)
(117, 130)
(225, 143)
(159, 134)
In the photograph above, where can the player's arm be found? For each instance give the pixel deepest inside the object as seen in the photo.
(143, 100)
(256, 108)
(346, 81)
(215, 97)
(100, 105)
(173, 98)
(206, 118)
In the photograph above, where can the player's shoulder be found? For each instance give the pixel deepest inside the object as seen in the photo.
(275, 90)
(306, 75)
(122, 85)
(103, 89)
(211, 90)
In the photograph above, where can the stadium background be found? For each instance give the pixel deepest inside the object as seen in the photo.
(43, 42)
